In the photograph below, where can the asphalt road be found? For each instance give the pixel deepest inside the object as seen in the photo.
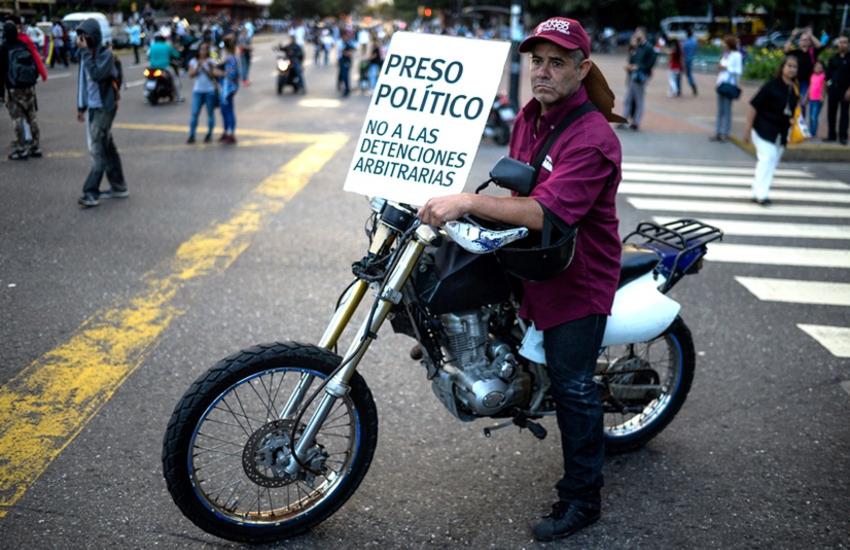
(758, 456)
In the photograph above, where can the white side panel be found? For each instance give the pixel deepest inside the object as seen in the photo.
(640, 312)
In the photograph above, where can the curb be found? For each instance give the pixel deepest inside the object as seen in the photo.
(804, 152)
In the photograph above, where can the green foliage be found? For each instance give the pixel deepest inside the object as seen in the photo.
(312, 8)
(763, 63)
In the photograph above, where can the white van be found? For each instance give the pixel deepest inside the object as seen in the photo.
(73, 20)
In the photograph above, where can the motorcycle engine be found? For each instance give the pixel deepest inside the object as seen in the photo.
(482, 376)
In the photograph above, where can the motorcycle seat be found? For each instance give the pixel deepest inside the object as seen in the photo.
(636, 261)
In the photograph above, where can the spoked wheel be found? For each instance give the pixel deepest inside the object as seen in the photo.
(228, 445)
(645, 386)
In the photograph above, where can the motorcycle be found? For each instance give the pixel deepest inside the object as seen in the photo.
(500, 120)
(286, 74)
(274, 439)
(159, 84)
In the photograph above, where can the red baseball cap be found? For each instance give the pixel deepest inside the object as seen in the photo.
(567, 33)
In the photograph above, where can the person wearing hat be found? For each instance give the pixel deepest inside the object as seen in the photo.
(577, 183)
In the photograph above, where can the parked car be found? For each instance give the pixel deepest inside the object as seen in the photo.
(120, 37)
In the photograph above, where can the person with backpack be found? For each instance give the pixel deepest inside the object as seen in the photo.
(97, 103)
(20, 67)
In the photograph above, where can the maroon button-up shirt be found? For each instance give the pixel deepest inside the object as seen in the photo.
(578, 183)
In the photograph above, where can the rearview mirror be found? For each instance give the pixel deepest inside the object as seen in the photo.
(514, 175)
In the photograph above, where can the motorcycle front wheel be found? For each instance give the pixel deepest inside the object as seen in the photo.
(227, 442)
(645, 385)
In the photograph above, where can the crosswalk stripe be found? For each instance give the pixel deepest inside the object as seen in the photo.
(774, 229)
(728, 180)
(834, 339)
(797, 292)
(779, 255)
(803, 184)
(704, 169)
(726, 192)
(720, 207)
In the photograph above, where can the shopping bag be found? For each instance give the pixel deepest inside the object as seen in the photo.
(799, 131)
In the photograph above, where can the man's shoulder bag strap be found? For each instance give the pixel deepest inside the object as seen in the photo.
(574, 115)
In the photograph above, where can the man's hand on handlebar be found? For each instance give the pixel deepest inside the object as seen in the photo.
(440, 210)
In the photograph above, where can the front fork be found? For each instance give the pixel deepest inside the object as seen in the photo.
(389, 295)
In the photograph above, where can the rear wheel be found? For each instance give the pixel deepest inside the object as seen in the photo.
(227, 445)
(645, 386)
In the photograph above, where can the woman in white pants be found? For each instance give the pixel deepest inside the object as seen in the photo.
(768, 121)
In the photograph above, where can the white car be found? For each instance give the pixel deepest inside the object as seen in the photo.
(73, 20)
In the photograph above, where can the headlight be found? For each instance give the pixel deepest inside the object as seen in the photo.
(282, 65)
(147, 73)
(157, 73)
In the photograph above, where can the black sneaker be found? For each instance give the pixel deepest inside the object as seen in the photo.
(208, 138)
(88, 200)
(35, 152)
(566, 518)
(191, 140)
(114, 194)
(18, 155)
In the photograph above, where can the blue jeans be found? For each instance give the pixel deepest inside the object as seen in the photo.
(571, 352)
(815, 107)
(689, 66)
(724, 116)
(804, 90)
(374, 69)
(200, 99)
(246, 63)
(345, 76)
(228, 114)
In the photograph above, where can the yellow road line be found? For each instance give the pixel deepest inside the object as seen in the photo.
(171, 147)
(48, 403)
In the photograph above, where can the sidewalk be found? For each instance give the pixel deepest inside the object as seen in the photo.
(696, 115)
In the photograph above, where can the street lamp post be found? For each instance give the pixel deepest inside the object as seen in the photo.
(516, 38)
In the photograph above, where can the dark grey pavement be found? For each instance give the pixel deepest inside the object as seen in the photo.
(758, 457)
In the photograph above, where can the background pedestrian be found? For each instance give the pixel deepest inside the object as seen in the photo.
(204, 92)
(816, 85)
(639, 71)
(97, 104)
(689, 53)
(730, 69)
(806, 52)
(838, 82)
(768, 122)
(674, 73)
(20, 67)
(229, 86)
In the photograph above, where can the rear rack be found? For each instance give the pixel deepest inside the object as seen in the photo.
(680, 243)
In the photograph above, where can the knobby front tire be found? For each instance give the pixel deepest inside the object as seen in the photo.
(219, 431)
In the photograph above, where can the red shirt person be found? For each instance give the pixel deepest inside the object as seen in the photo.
(578, 184)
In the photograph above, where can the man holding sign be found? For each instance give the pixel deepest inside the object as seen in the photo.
(577, 182)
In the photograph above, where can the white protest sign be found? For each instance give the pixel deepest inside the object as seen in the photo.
(426, 117)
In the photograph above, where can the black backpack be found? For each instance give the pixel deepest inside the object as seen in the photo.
(118, 76)
(23, 71)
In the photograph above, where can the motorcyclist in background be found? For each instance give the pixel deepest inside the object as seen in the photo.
(161, 55)
(295, 53)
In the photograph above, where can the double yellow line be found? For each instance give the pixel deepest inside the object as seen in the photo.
(48, 403)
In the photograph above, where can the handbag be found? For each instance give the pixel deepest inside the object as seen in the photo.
(729, 90)
(799, 130)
